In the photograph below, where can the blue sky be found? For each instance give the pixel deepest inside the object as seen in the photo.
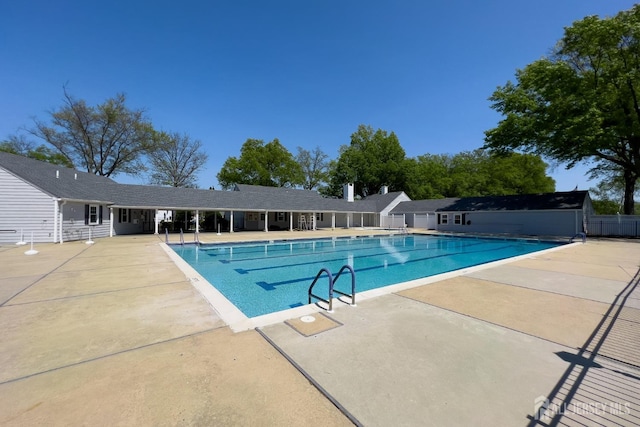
(305, 72)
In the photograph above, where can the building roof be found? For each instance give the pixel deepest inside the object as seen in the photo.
(381, 201)
(530, 202)
(422, 206)
(70, 184)
(55, 180)
(298, 192)
(544, 201)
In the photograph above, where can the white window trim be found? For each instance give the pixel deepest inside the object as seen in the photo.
(97, 214)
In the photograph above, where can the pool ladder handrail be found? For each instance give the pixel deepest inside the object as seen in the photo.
(582, 236)
(332, 282)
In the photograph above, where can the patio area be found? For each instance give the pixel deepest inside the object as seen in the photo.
(114, 334)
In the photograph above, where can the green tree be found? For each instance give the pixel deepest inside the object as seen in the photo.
(514, 173)
(19, 145)
(314, 166)
(105, 140)
(477, 173)
(373, 159)
(582, 102)
(270, 164)
(176, 160)
(606, 197)
(428, 176)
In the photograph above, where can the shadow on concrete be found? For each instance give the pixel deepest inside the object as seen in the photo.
(603, 392)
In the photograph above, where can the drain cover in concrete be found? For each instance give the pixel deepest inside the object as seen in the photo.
(307, 327)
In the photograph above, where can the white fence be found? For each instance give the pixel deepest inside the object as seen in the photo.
(393, 221)
(614, 226)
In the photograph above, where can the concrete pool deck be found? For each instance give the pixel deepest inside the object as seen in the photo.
(114, 334)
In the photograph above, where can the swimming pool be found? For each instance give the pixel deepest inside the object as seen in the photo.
(266, 277)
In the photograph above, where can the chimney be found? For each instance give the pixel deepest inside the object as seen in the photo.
(347, 192)
(384, 189)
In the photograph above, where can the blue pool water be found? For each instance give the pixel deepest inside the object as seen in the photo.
(266, 277)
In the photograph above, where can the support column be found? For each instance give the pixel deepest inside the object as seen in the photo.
(197, 221)
(61, 220)
(55, 221)
(155, 222)
(230, 221)
(111, 223)
(266, 221)
(290, 221)
(333, 220)
(361, 220)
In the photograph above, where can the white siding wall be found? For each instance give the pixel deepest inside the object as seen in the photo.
(73, 224)
(422, 220)
(24, 207)
(543, 223)
(135, 221)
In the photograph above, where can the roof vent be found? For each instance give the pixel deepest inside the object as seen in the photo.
(384, 189)
(57, 174)
(75, 176)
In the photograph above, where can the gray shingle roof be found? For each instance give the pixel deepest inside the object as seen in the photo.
(57, 181)
(422, 206)
(545, 201)
(381, 201)
(277, 190)
(71, 184)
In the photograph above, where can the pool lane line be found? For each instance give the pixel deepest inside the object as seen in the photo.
(309, 378)
(377, 267)
(322, 250)
(357, 254)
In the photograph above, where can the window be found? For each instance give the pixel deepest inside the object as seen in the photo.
(281, 216)
(252, 216)
(457, 219)
(320, 217)
(124, 215)
(93, 215)
(443, 219)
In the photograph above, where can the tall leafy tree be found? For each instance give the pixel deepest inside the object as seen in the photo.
(21, 146)
(269, 164)
(582, 102)
(477, 173)
(314, 166)
(373, 159)
(105, 140)
(428, 176)
(176, 160)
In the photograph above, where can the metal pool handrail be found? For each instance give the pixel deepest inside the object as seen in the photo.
(330, 300)
(353, 284)
(332, 282)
